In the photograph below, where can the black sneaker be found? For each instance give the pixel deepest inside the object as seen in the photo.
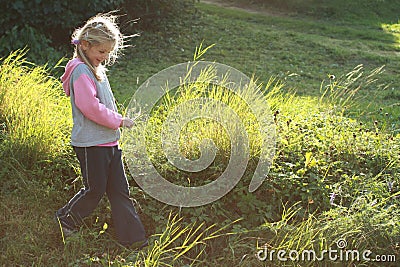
(66, 229)
(139, 245)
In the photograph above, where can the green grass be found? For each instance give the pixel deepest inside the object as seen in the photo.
(300, 51)
(46, 111)
(336, 168)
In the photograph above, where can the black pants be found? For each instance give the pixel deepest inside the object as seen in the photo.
(103, 172)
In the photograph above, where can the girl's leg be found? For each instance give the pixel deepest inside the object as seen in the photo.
(127, 224)
(94, 163)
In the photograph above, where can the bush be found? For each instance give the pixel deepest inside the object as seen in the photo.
(55, 19)
(45, 26)
(20, 37)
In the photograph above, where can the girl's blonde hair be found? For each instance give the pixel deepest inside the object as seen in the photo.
(98, 30)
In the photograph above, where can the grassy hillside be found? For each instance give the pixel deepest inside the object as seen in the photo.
(362, 12)
(300, 51)
(332, 85)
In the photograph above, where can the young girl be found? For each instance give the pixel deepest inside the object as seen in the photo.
(95, 132)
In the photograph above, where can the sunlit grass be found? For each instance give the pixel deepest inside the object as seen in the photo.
(360, 227)
(393, 29)
(34, 115)
(335, 172)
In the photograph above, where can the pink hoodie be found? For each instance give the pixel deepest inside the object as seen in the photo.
(86, 101)
(67, 74)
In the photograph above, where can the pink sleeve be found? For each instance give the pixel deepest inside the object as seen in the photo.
(90, 106)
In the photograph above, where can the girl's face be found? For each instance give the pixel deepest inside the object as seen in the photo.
(97, 54)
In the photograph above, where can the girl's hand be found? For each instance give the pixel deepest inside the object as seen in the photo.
(126, 122)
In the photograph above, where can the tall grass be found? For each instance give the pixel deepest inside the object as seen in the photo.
(208, 108)
(364, 225)
(338, 176)
(334, 167)
(180, 244)
(35, 117)
(34, 144)
(344, 91)
(35, 158)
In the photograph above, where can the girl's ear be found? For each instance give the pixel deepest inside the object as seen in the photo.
(85, 45)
